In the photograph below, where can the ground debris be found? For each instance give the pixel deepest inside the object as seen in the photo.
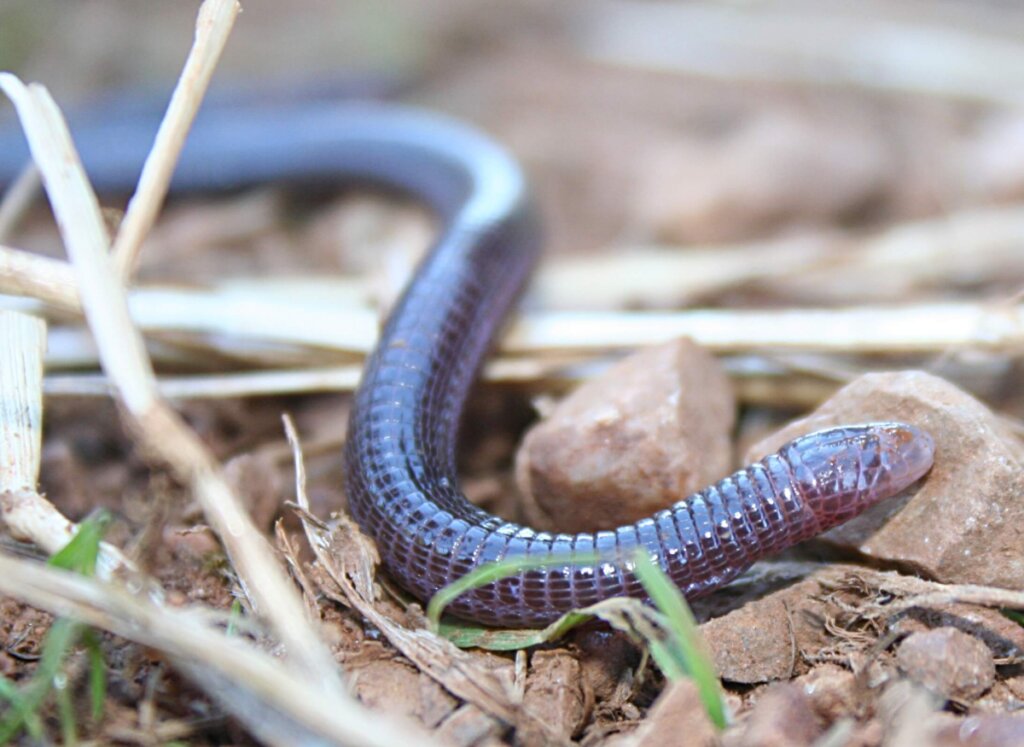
(677, 715)
(949, 662)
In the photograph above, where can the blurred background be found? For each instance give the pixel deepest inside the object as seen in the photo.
(639, 122)
(744, 154)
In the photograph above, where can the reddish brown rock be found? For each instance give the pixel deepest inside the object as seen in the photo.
(554, 693)
(1005, 730)
(762, 641)
(394, 687)
(468, 726)
(782, 717)
(833, 692)
(650, 431)
(677, 717)
(949, 662)
(963, 524)
(1003, 637)
(257, 480)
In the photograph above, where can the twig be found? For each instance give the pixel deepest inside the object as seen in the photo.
(923, 328)
(324, 329)
(331, 379)
(50, 281)
(27, 514)
(124, 359)
(282, 704)
(213, 26)
(22, 344)
(909, 259)
(18, 198)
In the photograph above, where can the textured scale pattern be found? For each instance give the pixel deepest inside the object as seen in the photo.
(400, 453)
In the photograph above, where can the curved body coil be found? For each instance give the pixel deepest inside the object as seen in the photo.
(400, 471)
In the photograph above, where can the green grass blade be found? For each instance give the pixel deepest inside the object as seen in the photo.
(79, 555)
(667, 657)
(59, 640)
(81, 552)
(97, 673)
(1015, 615)
(233, 617)
(65, 710)
(492, 572)
(690, 648)
(22, 714)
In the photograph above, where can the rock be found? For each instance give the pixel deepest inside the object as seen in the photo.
(963, 523)
(833, 692)
(649, 432)
(752, 644)
(394, 687)
(910, 714)
(762, 641)
(949, 662)
(1003, 637)
(782, 717)
(1003, 730)
(468, 726)
(554, 693)
(677, 717)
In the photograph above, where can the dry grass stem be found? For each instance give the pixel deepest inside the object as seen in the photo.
(349, 559)
(27, 515)
(921, 328)
(248, 329)
(49, 281)
(771, 385)
(18, 197)
(23, 343)
(309, 322)
(553, 372)
(213, 26)
(124, 359)
(909, 259)
(282, 704)
(817, 46)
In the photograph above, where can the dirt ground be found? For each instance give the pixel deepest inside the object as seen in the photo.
(821, 174)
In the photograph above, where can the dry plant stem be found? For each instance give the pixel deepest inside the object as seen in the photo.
(767, 388)
(253, 684)
(251, 321)
(28, 515)
(918, 328)
(901, 592)
(924, 328)
(349, 558)
(125, 362)
(967, 246)
(213, 25)
(49, 281)
(22, 346)
(336, 379)
(17, 199)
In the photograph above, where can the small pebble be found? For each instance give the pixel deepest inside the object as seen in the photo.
(949, 662)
